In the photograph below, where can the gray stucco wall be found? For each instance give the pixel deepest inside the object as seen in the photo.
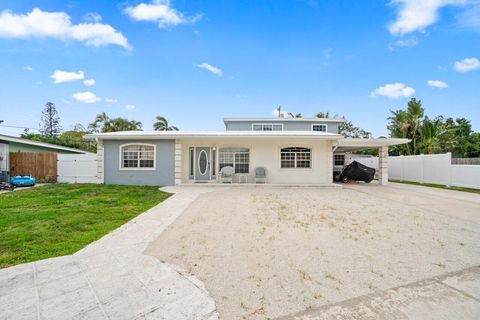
(332, 127)
(163, 175)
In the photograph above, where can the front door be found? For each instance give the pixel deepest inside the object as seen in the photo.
(202, 166)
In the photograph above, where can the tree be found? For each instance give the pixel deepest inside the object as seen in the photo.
(295, 115)
(162, 125)
(347, 129)
(121, 124)
(99, 122)
(415, 112)
(50, 121)
(399, 127)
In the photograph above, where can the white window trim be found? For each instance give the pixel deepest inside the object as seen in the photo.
(266, 123)
(320, 124)
(233, 146)
(120, 162)
(296, 169)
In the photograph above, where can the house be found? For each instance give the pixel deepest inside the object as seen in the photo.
(9, 144)
(292, 150)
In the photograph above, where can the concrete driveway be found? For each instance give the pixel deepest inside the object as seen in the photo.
(364, 252)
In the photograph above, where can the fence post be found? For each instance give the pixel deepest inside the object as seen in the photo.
(422, 160)
(448, 158)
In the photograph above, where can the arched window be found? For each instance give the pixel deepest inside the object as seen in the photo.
(137, 156)
(295, 157)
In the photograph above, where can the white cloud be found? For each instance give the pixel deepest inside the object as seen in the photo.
(57, 25)
(393, 91)
(406, 43)
(212, 69)
(92, 17)
(437, 84)
(160, 12)
(130, 106)
(27, 68)
(417, 15)
(471, 16)
(467, 64)
(89, 82)
(86, 97)
(111, 100)
(60, 76)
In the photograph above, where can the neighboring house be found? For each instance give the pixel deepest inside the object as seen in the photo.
(13, 144)
(292, 150)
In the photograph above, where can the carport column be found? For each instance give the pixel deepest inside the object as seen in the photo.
(178, 162)
(100, 159)
(383, 166)
(330, 162)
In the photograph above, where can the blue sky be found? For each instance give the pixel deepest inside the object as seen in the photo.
(197, 61)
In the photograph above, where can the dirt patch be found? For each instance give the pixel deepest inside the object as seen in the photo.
(267, 252)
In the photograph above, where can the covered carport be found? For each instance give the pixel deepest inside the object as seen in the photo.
(350, 145)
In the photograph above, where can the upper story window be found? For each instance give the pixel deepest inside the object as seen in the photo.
(267, 127)
(295, 157)
(137, 156)
(319, 127)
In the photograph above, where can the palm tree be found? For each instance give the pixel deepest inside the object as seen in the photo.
(415, 112)
(322, 115)
(399, 126)
(99, 122)
(162, 125)
(296, 115)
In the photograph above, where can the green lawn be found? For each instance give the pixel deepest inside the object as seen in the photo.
(59, 219)
(439, 186)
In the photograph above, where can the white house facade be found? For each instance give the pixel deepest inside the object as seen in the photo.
(289, 150)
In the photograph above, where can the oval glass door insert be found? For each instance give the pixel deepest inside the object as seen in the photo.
(202, 162)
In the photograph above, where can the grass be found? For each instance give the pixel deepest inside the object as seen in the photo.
(59, 219)
(439, 186)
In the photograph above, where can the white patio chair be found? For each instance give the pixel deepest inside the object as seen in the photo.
(260, 175)
(226, 174)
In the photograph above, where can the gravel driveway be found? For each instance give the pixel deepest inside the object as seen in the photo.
(269, 252)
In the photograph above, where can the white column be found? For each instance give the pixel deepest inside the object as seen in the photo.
(383, 166)
(178, 162)
(330, 162)
(100, 162)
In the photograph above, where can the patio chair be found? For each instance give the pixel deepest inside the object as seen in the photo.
(260, 175)
(226, 174)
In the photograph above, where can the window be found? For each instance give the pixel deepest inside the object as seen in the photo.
(238, 158)
(192, 161)
(319, 127)
(267, 127)
(338, 159)
(137, 156)
(295, 157)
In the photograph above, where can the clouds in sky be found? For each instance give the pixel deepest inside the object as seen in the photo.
(58, 25)
(406, 43)
(89, 82)
(467, 64)
(111, 100)
(215, 70)
(59, 76)
(417, 15)
(27, 68)
(437, 84)
(130, 107)
(160, 12)
(86, 97)
(393, 91)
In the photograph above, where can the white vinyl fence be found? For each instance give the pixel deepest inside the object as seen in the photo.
(434, 168)
(77, 168)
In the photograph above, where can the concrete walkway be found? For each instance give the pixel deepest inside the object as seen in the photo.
(111, 278)
(453, 295)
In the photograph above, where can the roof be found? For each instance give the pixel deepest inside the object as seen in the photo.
(335, 120)
(153, 135)
(39, 144)
(355, 144)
